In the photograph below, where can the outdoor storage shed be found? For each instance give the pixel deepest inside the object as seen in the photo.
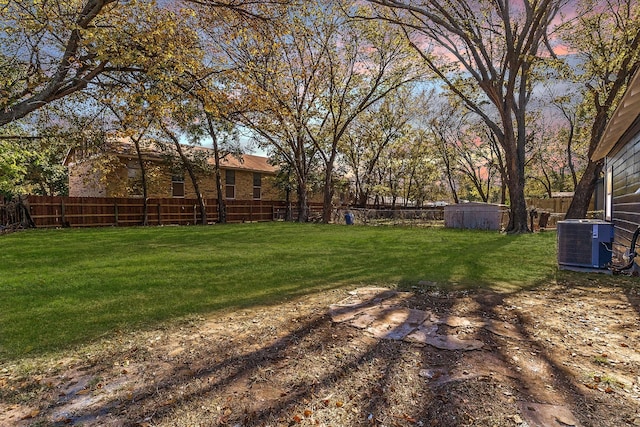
(477, 216)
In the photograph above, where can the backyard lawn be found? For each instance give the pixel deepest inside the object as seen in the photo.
(282, 324)
(60, 288)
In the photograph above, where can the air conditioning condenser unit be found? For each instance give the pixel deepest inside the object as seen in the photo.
(584, 243)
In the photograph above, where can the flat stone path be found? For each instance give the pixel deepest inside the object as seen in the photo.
(380, 313)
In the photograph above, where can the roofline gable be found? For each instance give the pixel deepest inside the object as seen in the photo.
(244, 162)
(623, 118)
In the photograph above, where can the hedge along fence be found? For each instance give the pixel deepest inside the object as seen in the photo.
(57, 211)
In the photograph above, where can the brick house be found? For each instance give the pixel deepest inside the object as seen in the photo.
(115, 172)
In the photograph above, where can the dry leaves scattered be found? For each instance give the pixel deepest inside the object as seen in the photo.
(562, 353)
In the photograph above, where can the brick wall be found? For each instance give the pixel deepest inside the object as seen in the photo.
(110, 178)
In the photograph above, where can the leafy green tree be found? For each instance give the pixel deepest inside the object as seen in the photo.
(12, 167)
(277, 73)
(307, 77)
(32, 166)
(373, 131)
(487, 54)
(605, 38)
(51, 49)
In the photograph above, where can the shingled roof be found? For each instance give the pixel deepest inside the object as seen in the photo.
(151, 151)
(247, 162)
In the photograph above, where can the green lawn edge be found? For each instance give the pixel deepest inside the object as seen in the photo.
(62, 288)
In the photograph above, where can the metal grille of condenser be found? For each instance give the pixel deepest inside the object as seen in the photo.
(584, 243)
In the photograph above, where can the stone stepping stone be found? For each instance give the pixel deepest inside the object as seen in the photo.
(376, 311)
(362, 300)
(544, 415)
(422, 332)
(345, 313)
(450, 342)
(395, 323)
(365, 319)
(461, 322)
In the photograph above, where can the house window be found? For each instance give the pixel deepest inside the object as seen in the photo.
(177, 186)
(230, 184)
(134, 175)
(257, 186)
(608, 197)
(133, 170)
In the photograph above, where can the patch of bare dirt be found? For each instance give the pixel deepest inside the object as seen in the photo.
(558, 355)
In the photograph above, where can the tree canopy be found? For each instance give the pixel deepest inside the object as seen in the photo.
(337, 89)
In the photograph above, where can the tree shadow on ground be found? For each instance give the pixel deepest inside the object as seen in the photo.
(289, 365)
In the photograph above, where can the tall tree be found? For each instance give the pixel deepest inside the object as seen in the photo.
(51, 49)
(309, 77)
(486, 53)
(606, 40)
(372, 132)
(277, 74)
(443, 128)
(365, 63)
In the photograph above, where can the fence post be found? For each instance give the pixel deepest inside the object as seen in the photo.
(115, 213)
(195, 219)
(62, 213)
(159, 218)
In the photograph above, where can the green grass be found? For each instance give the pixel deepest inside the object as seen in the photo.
(60, 288)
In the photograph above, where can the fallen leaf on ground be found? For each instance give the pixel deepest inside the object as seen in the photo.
(32, 414)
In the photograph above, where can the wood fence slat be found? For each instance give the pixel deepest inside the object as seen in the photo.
(56, 211)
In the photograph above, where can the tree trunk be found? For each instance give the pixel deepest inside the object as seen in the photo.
(194, 180)
(222, 206)
(584, 191)
(327, 201)
(518, 217)
(515, 159)
(288, 215)
(572, 169)
(303, 201)
(361, 200)
(143, 177)
(499, 160)
(328, 189)
(452, 187)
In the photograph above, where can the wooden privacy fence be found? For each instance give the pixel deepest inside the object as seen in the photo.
(56, 211)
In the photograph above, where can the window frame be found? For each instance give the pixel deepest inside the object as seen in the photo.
(257, 178)
(230, 184)
(180, 181)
